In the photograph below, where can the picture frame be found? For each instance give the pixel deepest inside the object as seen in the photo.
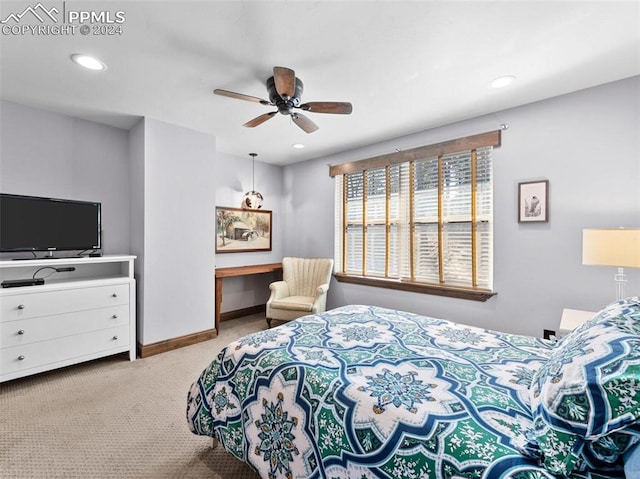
(533, 201)
(242, 230)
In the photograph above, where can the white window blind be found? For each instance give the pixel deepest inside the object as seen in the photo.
(426, 220)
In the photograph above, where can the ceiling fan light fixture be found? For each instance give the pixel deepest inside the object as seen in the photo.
(503, 81)
(89, 62)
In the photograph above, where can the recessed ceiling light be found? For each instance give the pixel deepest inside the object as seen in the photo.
(298, 146)
(503, 81)
(88, 62)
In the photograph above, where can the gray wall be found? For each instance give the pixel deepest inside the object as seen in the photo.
(587, 144)
(177, 294)
(51, 155)
(136, 223)
(232, 180)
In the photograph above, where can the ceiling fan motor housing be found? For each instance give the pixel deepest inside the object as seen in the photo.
(285, 105)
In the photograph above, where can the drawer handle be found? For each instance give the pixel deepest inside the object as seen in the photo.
(115, 338)
(115, 316)
(114, 295)
(21, 332)
(21, 357)
(21, 306)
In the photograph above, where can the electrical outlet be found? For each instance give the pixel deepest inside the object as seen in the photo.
(548, 333)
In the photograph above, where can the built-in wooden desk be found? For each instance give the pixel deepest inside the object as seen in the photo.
(239, 271)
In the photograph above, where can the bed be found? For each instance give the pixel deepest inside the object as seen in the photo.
(364, 391)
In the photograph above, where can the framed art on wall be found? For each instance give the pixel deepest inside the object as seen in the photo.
(241, 231)
(533, 201)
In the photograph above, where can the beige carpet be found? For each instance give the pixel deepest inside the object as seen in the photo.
(112, 418)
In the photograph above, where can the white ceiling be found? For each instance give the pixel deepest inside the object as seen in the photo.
(406, 66)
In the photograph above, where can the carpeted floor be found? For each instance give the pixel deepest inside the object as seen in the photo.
(112, 418)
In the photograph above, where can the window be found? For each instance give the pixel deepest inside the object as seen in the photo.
(419, 220)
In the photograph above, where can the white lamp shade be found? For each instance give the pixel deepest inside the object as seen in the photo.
(611, 247)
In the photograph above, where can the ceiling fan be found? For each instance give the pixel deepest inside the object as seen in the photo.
(285, 92)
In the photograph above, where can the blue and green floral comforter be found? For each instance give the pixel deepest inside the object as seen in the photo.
(363, 392)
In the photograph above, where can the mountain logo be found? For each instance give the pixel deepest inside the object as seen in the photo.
(39, 11)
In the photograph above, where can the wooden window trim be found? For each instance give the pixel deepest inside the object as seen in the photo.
(387, 217)
(459, 292)
(482, 140)
(474, 218)
(440, 223)
(365, 223)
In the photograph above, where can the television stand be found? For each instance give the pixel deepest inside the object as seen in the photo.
(76, 316)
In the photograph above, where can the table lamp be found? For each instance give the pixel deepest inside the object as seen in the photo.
(619, 247)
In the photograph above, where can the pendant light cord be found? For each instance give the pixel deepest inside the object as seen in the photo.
(253, 171)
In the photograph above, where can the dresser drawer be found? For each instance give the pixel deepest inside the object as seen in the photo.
(36, 303)
(66, 350)
(31, 330)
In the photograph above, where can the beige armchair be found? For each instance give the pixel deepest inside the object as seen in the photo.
(302, 291)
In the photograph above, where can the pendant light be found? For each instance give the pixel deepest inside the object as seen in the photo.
(252, 200)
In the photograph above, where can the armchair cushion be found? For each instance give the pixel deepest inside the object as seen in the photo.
(292, 303)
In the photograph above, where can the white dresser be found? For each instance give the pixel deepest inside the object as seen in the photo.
(75, 316)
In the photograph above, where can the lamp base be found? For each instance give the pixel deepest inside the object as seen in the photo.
(620, 278)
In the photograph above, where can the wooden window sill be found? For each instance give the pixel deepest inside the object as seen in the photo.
(459, 292)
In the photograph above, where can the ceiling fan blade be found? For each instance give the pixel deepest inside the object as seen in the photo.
(240, 96)
(285, 80)
(304, 122)
(341, 108)
(259, 120)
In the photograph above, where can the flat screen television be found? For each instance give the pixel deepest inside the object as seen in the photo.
(32, 223)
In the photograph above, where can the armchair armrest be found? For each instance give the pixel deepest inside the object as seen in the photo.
(279, 289)
(320, 300)
(322, 290)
